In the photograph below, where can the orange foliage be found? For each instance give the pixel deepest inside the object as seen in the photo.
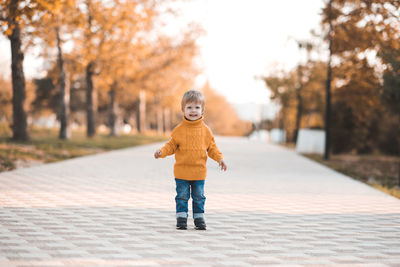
(221, 117)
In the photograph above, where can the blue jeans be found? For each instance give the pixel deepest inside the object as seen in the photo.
(183, 190)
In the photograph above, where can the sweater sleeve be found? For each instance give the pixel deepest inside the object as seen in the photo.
(213, 151)
(169, 148)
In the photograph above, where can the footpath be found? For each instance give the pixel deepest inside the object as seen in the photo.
(272, 207)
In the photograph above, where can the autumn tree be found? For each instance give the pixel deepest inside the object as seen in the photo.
(172, 72)
(134, 58)
(221, 116)
(14, 15)
(307, 46)
(118, 57)
(91, 46)
(390, 97)
(17, 18)
(53, 30)
(284, 88)
(359, 29)
(313, 92)
(152, 72)
(103, 24)
(390, 91)
(359, 98)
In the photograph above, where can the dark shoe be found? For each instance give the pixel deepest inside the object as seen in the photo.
(181, 223)
(200, 224)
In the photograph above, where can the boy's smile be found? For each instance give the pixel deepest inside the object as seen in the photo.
(193, 111)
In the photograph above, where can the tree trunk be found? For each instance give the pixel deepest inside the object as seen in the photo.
(159, 115)
(299, 105)
(90, 101)
(328, 88)
(20, 125)
(282, 126)
(64, 91)
(160, 122)
(112, 112)
(167, 120)
(141, 112)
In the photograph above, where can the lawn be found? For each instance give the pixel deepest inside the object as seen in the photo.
(45, 146)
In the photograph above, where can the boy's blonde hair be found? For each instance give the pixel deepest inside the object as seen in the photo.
(193, 96)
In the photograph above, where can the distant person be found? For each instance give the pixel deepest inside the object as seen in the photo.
(191, 141)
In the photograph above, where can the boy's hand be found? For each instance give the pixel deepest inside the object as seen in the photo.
(222, 165)
(157, 154)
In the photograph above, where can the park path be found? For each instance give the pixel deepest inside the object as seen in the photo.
(272, 207)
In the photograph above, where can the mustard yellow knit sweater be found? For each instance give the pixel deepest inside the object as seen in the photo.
(191, 141)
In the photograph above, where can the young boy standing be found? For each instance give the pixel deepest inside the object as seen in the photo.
(191, 141)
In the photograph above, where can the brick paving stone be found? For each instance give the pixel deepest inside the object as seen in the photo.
(272, 207)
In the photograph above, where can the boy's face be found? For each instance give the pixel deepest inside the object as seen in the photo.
(193, 111)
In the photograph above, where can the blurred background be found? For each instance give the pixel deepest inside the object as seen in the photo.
(319, 76)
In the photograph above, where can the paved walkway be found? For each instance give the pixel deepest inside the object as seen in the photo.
(117, 209)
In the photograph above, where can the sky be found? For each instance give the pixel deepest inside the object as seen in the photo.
(249, 38)
(244, 39)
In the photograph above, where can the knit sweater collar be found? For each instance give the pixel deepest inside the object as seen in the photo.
(189, 123)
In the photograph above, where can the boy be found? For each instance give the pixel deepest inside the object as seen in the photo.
(191, 141)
